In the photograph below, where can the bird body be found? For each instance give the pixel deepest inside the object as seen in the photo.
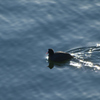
(58, 56)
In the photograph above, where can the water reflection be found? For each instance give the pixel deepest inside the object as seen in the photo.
(75, 64)
(52, 64)
(82, 64)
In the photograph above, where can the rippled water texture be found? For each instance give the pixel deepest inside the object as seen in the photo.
(28, 28)
(85, 57)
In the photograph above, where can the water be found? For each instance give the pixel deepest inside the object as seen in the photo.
(28, 29)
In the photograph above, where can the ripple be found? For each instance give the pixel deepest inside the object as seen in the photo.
(86, 57)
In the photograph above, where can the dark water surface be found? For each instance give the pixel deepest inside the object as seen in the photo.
(28, 29)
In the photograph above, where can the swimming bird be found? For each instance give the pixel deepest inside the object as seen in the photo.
(58, 56)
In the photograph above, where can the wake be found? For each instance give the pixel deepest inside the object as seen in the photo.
(86, 57)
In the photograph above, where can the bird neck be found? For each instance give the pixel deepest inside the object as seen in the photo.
(51, 54)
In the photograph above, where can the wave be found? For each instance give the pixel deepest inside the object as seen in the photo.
(86, 57)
